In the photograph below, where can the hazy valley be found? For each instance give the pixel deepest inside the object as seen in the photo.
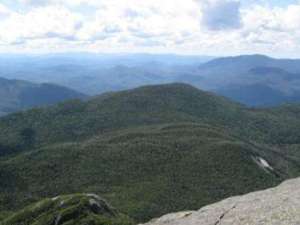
(254, 80)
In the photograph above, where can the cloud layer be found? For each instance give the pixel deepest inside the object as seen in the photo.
(213, 27)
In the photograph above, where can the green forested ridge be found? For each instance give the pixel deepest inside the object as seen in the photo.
(148, 151)
(75, 120)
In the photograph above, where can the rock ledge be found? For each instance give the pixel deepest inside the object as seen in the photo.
(275, 206)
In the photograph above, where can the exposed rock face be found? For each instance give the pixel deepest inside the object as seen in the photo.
(280, 205)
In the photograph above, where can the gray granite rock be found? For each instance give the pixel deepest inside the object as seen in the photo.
(279, 205)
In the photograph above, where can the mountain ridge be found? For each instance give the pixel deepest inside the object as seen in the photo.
(145, 150)
(246, 62)
(16, 95)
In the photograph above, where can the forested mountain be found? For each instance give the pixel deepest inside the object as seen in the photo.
(152, 107)
(149, 151)
(17, 95)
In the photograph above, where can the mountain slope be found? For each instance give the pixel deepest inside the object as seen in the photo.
(17, 95)
(254, 80)
(278, 205)
(147, 149)
(77, 120)
(146, 172)
(263, 86)
(257, 95)
(242, 64)
(142, 106)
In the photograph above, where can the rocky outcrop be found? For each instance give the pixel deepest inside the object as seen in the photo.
(275, 206)
(76, 209)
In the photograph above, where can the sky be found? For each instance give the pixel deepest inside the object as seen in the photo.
(201, 27)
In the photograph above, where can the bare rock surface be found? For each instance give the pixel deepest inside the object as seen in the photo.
(275, 206)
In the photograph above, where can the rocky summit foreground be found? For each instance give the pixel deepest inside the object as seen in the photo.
(275, 206)
(76, 209)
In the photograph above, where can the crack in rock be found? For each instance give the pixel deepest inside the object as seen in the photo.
(223, 215)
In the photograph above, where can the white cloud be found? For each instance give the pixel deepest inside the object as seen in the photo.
(39, 23)
(4, 11)
(190, 26)
(291, 17)
(279, 26)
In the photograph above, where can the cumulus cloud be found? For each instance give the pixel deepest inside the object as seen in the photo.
(192, 26)
(46, 22)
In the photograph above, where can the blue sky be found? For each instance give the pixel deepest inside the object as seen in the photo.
(205, 27)
(279, 3)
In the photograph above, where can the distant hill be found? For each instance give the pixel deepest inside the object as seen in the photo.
(149, 151)
(256, 95)
(254, 80)
(17, 95)
(242, 64)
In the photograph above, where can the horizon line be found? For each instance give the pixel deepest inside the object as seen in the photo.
(141, 53)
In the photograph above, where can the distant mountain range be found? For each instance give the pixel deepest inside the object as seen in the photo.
(18, 95)
(149, 151)
(97, 73)
(254, 80)
(242, 64)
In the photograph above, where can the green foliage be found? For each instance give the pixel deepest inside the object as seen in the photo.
(4, 215)
(68, 210)
(146, 172)
(149, 151)
(77, 120)
(27, 137)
